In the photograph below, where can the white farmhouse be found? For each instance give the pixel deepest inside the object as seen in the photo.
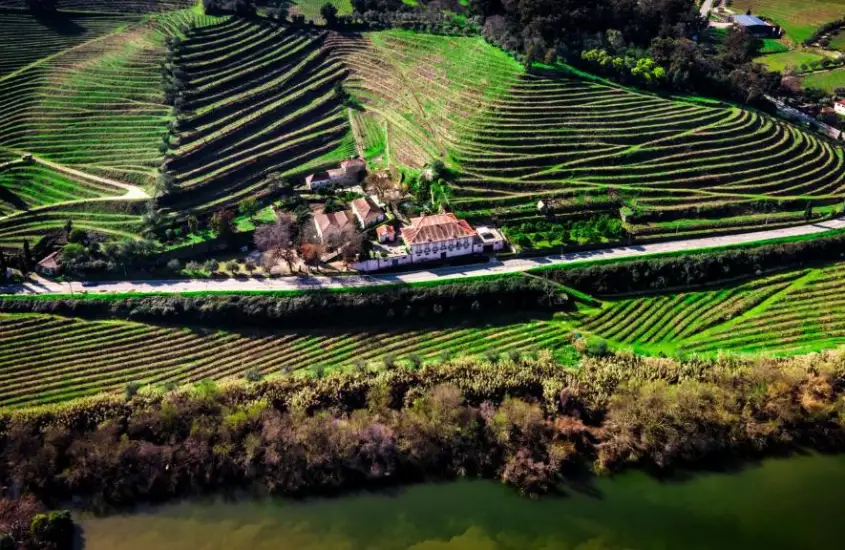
(839, 107)
(438, 237)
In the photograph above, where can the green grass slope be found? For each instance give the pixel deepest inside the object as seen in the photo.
(67, 358)
(788, 313)
(93, 107)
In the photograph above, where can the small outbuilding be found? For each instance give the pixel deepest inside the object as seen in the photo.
(756, 26)
(386, 233)
(50, 265)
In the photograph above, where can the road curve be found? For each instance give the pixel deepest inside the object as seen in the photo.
(42, 286)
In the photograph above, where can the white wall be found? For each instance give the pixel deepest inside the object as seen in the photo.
(459, 247)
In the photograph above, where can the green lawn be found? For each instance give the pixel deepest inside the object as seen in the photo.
(828, 80)
(790, 59)
(799, 18)
(311, 8)
(771, 46)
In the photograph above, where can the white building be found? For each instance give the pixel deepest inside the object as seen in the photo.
(839, 107)
(438, 237)
(491, 239)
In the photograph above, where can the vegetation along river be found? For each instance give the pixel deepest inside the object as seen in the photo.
(791, 503)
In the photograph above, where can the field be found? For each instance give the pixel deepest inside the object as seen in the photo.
(799, 18)
(44, 358)
(66, 358)
(310, 9)
(826, 80)
(788, 60)
(789, 313)
(84, 95)
(581, 146)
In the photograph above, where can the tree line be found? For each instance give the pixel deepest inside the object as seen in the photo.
(312, 308)
(524, 420)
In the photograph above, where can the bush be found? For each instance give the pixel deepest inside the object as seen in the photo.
(131, 390)
(53, 530)
(174, 265)
(253, 375)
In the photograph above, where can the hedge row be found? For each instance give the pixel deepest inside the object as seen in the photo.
(689, 270)
(308, 309)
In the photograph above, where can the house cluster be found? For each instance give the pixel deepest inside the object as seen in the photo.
(424, 239)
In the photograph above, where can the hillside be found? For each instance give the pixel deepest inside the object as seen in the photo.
(85, 92)
(684, 167)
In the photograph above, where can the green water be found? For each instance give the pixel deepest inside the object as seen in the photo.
(793, 503)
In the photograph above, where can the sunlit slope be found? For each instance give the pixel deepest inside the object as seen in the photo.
(583, 146)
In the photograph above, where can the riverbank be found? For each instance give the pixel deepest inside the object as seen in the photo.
(779, 504)
(527, 421)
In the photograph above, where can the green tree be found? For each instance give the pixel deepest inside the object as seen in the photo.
(26, 263)
(248, 207)
(223, 223)
(329, 14)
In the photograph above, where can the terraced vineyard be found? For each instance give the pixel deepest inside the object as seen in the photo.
(93, 111)
(67, 358)
(27, 40)
(109, 6)
(579, 145)
(260, 99)
(793, 312)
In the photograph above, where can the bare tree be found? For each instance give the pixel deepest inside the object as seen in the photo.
(311, 254)
(276, 241)
(352, 241)
(382, 185)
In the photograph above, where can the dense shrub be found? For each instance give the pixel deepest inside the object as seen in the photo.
(310, 309)
(695, 269)
(527, 422)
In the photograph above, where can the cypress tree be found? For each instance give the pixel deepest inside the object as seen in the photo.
(27, 257)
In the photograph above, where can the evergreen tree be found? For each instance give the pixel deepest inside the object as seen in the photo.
(27, 258)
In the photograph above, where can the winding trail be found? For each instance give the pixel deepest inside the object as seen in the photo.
(39, 285)
(133, 192)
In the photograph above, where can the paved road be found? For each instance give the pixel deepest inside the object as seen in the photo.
(42, 286)
(706, 6)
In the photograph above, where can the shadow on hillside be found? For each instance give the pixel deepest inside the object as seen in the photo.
(61, 24)
(10, 197)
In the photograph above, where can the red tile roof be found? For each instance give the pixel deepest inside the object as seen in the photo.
(369, 212)
(338, 220)
(441, 227)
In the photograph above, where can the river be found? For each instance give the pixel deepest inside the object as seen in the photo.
(793, 503)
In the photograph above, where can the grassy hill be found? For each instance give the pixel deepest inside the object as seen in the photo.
(87, 357)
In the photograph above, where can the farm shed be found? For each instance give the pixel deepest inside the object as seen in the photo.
(757, 26)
